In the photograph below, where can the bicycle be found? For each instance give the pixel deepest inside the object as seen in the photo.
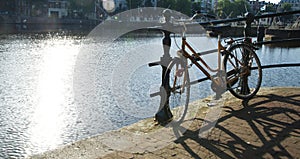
(237, 74)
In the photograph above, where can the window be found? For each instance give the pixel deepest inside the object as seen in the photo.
(63, 5)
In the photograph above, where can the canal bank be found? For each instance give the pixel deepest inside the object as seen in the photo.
(267, 127)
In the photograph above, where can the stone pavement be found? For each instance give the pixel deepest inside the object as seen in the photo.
(268, 127)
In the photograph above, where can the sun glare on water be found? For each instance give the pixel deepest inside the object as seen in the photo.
(53, 93)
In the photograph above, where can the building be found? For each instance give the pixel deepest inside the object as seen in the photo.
(256, 5)
(58, 8)
(7, 7)
(23, 7)
(295, 3)
(29, 8)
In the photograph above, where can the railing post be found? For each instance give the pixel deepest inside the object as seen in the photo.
(247, 29)
(164, 114)
(247, 34)
(260, 32)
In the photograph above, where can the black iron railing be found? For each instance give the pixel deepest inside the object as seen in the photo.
(164, 113)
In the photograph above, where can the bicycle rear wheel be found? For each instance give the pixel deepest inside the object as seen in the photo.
(244, 72)
(179, 88)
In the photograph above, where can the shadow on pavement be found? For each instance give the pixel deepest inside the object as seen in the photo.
(268, 127)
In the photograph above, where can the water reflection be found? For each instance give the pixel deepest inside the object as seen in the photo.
(53, 93)
(36, 83)
(280, 76)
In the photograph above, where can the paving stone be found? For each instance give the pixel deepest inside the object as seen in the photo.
(267, 128)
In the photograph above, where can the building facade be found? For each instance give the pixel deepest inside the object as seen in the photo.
(294, 3)
(257, 6)
(23, 7)
(58, 8)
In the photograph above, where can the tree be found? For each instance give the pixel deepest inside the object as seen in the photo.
(196, 6)
(242, 6)
(7, 6)
(233, 8)
(286, 7)
(148, 3)
(224, 8)
(39, 7)
(81, 6)
(132, 4)
(183, 6)
(166, 3)
(270, 8)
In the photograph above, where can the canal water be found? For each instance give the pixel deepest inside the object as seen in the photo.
(56, 88)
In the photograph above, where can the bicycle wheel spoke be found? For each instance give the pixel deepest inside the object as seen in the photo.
(179, 90)
(243, 81)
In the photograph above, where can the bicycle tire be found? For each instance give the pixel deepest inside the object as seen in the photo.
(179, 88)
(244, 74)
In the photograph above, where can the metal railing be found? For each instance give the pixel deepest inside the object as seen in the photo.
(163, 113)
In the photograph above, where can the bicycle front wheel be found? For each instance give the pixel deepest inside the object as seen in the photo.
(244, 72)
(179, 88)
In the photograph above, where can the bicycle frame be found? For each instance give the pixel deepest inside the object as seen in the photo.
(185, 53)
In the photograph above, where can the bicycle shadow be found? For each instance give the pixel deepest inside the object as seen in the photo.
(266, 127)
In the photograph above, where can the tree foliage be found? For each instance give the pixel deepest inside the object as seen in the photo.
(183, 6)
(7, 5)
(132, 4)
(167, 3)
(148, 3)
(286, 7)
(196, 6)
(270, 8)
(80, 5)
(232, 8)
